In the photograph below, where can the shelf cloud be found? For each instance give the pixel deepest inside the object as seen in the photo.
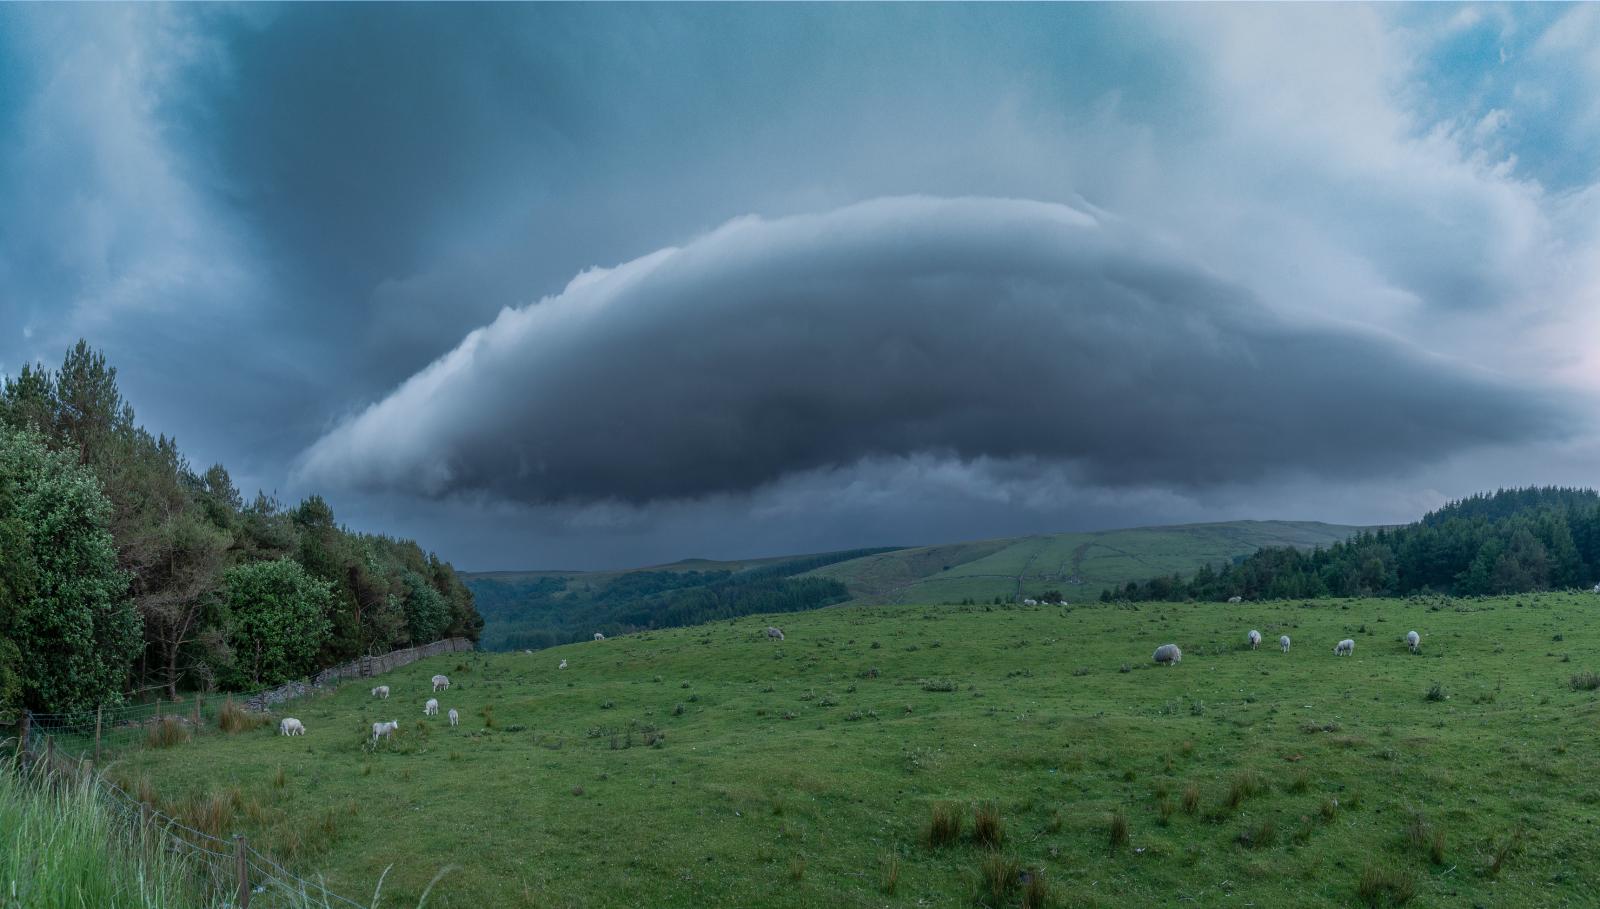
(971, 328)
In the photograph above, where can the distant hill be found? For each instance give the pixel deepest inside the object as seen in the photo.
(1079, 565)
(536, 609)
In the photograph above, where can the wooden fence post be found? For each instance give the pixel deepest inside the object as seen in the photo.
(22, 740)
(97, 712)
(242, 864)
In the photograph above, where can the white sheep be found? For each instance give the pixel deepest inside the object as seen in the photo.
(455, 718)
(1030, 602)
(441, 683)
(382, 691)
(563, 665)
(1236, 599)
(1254, 637)
(291, 726)
(598, 636)
(431, 708)
(1414, 641)
(775, 633)
(1346, 647)
(1169, 654)
(1283, 643)
(384, 729)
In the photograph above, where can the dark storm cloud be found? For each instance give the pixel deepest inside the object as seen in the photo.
(967, 328)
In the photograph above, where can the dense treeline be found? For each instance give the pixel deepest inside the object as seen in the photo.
(124, 570)
(537, 612)
(1510, 541)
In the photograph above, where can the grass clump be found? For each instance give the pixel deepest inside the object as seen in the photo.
(988, 829)
(1435, 693)
(166, 732)
(1119, 831)
(94, 857)
(944, 825)
(889, 873)
(1035, 890)
(1380, 887)
(234, 719)
(1246, 785)
(998, 877)
(940, 685)
(1261, 836)
(1587, 680)
(1191, 798)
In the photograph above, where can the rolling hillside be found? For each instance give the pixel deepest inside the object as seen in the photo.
(1079, 565)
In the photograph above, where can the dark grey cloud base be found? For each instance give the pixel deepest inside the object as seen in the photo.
(966, 328)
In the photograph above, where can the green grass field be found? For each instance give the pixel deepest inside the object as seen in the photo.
(805, 772)
(1079, 565)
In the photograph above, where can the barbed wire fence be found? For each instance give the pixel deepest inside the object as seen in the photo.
(60, 747)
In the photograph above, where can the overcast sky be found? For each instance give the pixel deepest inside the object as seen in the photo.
(584, 286)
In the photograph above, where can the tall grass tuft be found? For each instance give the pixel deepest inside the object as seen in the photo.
(166, 732)
(889, 866)
(1119, 831)
(944, 825)
(998, 877)
(1380, 887)
(93, 858)
(232, 718)
(987, 827)
(1587, 680)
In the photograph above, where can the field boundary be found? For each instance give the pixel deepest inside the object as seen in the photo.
(106, 728)
(226, 867)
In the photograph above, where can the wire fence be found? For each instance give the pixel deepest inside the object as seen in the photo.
(57, 747)
(105, 729)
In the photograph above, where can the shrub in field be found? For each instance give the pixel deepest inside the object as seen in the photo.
(166, 732)
(232, 718)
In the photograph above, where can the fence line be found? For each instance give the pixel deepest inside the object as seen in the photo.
(93, 731)
(230, 866)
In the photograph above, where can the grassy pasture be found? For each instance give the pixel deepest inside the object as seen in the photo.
(807, 772)
(1080, 565)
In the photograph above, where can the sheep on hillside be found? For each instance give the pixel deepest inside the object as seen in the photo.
(1236, 599)
(1346, 647)
(1414, 641)
(455, 718)
(382, 691)
(291, 726)
(1283, 643)
(598, 636)
(384, 729)
(563, 665)
(775, 633)
(1169, 654)
(441, 683)
(1254, 637)
(431, 708)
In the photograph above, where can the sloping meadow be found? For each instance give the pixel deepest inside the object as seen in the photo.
(952, 756)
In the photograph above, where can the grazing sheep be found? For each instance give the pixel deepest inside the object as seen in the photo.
(431, 708)
(1236, 599)
(291, 726)
(1030, 602)
(455, 718)
(382, 691)
(774, 633)
(441, 683)
(1414, 641)
(1283, 643)
(1169, 654)
(563, 665)
(384, 729)
(1346, 647)
(1254, 637)
(598, 636)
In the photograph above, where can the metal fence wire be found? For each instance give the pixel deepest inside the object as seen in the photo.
(66, 746)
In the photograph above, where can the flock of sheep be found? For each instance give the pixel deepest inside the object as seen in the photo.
(1171, 654)
(386, 728)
